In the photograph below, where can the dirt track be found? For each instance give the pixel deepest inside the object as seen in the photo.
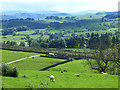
(22, 59)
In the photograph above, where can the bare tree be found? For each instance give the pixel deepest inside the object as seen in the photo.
(105, 61)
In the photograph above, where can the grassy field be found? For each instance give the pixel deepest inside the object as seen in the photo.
(8, 56)
(25, 32)
(31, 68)
(63, 80)
(37, 63)
(13, 38)
(78, 49)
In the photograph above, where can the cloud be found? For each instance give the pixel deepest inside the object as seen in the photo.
(59, 5)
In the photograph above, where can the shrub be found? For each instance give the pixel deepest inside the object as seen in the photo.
(9, 70)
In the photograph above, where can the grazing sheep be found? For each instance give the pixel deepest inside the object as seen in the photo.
(103, 73)
(77, 75)
(24, 76)
(52, 78)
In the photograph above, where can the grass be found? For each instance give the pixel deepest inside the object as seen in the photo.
(8, 56)
(63, 80)
(13, 38)
(78, 66)
(78, 49)
(25, 32)
(36, 64)
(31, 68)
(35, 36)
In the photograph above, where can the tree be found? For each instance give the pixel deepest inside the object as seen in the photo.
(94, 41)
(13, 43)
(22, 44)
(37, 31)
(105, 61)
(35, 44)
(57, 43)
(113, 41)
(27, 37)
(105, 41)
(70, 42)
(29, 42)
(82, 42)
(43, 45)
(8, 42)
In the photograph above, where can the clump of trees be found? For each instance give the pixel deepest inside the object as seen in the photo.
(95, 41)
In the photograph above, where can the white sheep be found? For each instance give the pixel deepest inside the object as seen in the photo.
(103, 73)
(52, 78)
(77, 75)
(52, 54)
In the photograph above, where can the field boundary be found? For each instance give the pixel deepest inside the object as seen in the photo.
(24, 50)
(55, 65)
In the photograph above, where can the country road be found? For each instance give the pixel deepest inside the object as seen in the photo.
(21, 59)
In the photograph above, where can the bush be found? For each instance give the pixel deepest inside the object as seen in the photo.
(9, 70)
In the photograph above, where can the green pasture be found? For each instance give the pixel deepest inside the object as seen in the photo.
(13, 38)
(35, 36)
(31, 68)
(89, 16)
(37, 63)
(77, 66)
(45, 37)
(78, 49)
(8, 56)
(67, 79)
(26, 32)
(62, 80)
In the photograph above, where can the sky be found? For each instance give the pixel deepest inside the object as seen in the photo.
(68, 6)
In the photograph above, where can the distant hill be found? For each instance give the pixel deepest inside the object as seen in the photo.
(13, 12)
(86, 12)
(24, 14)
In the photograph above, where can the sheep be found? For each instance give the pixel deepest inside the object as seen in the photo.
(103, 73)
(77, 75)
(52, 54)
(52, 78)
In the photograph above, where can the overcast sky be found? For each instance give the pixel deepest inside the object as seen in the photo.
(68, 6)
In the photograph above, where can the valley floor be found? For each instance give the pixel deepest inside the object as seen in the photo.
(41, 79)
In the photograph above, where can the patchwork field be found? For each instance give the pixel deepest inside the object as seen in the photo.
(40, 79)
(8, 56)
